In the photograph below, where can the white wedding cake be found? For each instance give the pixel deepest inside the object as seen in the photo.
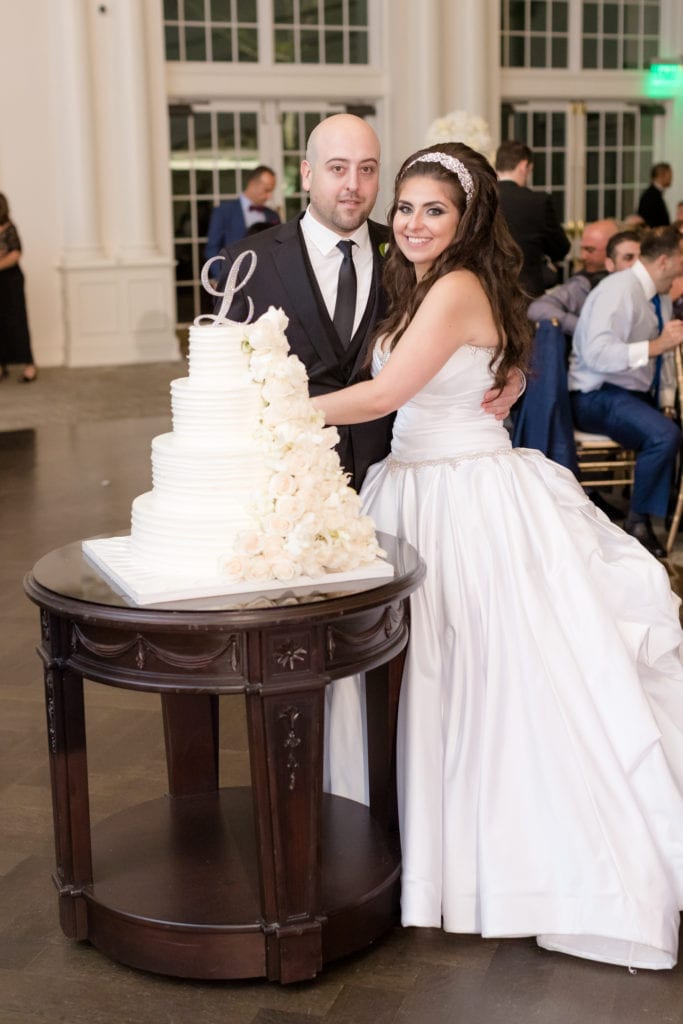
(206, 472)
(247, 490)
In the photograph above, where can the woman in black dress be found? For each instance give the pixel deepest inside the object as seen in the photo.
(15, 340)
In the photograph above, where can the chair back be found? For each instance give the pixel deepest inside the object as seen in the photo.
(544, 419)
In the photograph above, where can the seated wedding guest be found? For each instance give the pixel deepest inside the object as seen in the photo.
(15, 338)
(540, 732)
(231, 219)
(531, 216)
(563, 302)
(543, 419)
(623, 249)
(617, 381)
(652, 207)
(603, 250)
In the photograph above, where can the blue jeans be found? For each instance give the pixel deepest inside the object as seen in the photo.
(630, 419)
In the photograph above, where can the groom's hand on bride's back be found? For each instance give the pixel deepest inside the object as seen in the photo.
(499, 402)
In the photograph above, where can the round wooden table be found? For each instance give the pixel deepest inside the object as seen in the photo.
(274, 880)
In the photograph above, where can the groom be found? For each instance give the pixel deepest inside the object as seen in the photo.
(333, 298)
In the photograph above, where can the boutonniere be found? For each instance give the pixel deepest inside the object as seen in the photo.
(383, 248)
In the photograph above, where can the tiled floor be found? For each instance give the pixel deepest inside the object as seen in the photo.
(74, 450)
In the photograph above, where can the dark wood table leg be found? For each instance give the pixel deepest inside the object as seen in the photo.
(286, 741)
(191, 736)
(69, 778)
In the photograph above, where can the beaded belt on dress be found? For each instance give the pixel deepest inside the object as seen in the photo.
(394, 464)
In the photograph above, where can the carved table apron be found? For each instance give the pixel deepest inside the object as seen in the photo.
(273, 880)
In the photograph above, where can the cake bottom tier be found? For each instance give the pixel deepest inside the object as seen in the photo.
(183, 539)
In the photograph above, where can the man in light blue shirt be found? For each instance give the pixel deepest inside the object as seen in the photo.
(619, 383)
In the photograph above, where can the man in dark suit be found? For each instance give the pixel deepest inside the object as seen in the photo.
(231, 220)
(298, 269)
(652, 207)
(531, 216)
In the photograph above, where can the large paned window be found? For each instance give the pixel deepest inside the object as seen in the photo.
(303, 31)
(622, 36)
(321, 31)
(615, 35)
(619, 155)
(534, 34)
(211, 30)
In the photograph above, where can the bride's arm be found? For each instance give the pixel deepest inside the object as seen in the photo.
(453, 312)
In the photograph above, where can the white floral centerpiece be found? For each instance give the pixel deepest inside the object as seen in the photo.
(459, 126)
(308, 521)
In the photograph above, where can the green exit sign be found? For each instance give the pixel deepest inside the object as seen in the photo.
(665, 80)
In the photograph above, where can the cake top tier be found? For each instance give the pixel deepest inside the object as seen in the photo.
(218, 355)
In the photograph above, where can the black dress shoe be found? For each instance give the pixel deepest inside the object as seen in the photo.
(644, 533)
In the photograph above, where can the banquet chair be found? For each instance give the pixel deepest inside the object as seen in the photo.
(678, 508)
(544, 417)
(603, 462)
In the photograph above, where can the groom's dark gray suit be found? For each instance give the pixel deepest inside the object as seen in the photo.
(284, 278)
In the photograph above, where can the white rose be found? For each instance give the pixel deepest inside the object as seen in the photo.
(290, 505)
(266, 334)
(286, 433)
(281, 484)
(249, 543)
(260, 364)
(277, 387)
(330, 437)
(283, 568)
(296, 371)
(234, 567)
(272, 545)
(258, 568)
(296, 461)
(277, 523)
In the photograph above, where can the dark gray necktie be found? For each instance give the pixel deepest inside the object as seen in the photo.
(345, 306)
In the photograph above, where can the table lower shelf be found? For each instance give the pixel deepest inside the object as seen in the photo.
(176, 888)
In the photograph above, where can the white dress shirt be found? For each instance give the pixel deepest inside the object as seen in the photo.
(326, 258)
(612, 337)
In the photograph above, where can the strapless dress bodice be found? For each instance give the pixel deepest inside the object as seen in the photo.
(444, 420)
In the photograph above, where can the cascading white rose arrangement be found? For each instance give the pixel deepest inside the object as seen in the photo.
(309, 521)
(459, 126)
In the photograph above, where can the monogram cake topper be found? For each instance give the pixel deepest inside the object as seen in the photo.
(231, 289)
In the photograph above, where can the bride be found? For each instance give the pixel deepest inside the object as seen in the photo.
(540, 736)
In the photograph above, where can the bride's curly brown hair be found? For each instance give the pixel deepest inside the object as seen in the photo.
(482, 244)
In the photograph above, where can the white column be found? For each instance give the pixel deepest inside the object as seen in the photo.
(412, 60)
(470, 44)
(129, 84)
(670, 142)
(82, 232)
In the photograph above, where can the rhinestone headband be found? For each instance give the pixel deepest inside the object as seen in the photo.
(451, 164)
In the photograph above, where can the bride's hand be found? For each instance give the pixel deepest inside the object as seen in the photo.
(499, 403)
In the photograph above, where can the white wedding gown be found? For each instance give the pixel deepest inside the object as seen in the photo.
(540, 735)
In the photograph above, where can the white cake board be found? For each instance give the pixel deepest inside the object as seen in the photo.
(144, 586)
